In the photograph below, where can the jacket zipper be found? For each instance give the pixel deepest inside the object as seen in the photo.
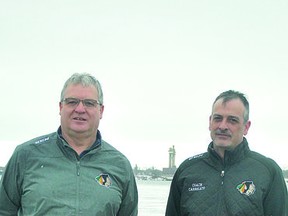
(78, 188)
(78, 168)
(222, 175)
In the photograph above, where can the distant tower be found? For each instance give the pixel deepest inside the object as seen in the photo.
(172, 154)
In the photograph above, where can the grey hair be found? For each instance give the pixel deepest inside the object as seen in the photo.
(85, 79)
(231, 94)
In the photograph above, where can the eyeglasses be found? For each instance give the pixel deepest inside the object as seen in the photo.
(74, 102)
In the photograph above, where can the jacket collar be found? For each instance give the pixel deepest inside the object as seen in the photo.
(230, 156)
(95, 145)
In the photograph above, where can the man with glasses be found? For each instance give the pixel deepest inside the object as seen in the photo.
(72, 171)
(229, 179)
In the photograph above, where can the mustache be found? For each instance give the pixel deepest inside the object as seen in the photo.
(223, 132)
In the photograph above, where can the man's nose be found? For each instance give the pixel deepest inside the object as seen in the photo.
(223, 125)
(80, 107)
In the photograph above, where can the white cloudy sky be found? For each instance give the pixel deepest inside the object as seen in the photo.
(161, 64)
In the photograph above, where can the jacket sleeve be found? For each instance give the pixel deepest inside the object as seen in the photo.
(10, 187)
(276, 201)
(173, 203)
(129, 204)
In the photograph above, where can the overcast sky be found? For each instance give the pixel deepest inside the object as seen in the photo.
(161, 64)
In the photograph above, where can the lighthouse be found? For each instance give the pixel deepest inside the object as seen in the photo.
(172, 154)
(169, 171)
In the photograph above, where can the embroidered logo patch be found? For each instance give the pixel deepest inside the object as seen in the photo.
(104, 180)
(195, 156)
(246, 187)
(42, 140)
(197, 187)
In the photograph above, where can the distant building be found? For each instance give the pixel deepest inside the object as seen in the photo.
(172, 154)
(171, 169)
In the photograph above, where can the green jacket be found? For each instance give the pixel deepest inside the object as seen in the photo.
(45, 176)
(245, 183)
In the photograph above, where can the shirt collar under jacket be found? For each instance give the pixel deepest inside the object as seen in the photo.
(231, 156)
(95, 144)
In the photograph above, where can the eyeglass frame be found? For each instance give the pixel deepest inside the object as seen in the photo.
(83, 101)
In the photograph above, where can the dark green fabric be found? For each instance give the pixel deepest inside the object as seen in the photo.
(208, 186)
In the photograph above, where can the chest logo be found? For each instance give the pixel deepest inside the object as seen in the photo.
(246, 187)
(104, 180)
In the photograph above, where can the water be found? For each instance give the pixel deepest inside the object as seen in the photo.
(153, 197)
